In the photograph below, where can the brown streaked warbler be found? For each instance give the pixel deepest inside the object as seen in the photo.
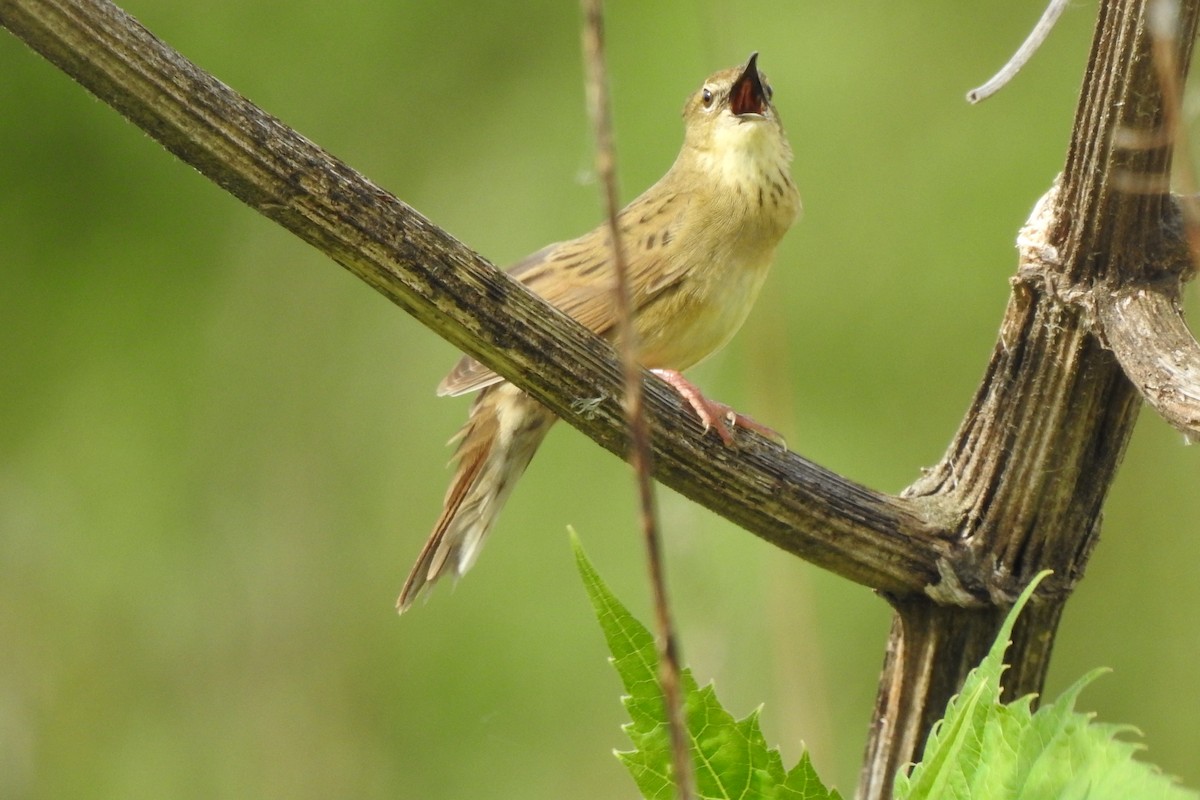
(698, 245)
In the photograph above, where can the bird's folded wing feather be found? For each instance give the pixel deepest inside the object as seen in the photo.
(577, 277)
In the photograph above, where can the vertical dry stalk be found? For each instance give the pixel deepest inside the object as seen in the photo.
(639, 430)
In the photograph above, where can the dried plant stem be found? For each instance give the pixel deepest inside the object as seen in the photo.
(639, 430)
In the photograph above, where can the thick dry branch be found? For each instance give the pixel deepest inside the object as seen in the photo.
(1031, 464)
(866, 536)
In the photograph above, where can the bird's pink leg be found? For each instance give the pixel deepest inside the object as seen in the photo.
(713, 414)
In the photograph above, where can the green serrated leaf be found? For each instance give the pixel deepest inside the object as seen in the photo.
(986, 750)
(730, 757)
(802, 782)
(632, 647)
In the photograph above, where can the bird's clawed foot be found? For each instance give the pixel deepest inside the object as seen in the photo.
(714, 415)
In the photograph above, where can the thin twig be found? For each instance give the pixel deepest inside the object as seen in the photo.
(1024, 53)
(639, 430)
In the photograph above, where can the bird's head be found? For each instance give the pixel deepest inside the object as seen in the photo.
(731, 115)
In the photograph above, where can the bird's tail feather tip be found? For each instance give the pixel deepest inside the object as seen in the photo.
(494, 447)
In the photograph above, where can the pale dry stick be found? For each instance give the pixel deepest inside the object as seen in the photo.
(639, 430)
(1143, 323)
(1024, 53)
(1163, 19)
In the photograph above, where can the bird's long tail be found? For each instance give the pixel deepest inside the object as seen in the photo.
(502, 433)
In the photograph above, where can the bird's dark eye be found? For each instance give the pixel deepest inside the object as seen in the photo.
(706, 97)
(768, 90)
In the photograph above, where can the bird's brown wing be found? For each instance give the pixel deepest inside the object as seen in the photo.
(468, 374)
(577, 276)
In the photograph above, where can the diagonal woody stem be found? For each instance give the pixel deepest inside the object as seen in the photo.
(864, 535)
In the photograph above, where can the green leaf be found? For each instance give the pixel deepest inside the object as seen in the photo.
(986, 750)
(730, 757)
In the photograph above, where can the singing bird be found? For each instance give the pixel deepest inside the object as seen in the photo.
(698, 245)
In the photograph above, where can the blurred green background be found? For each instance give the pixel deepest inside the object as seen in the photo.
(219, 453)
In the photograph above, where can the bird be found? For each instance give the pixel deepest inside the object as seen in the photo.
(698, 246)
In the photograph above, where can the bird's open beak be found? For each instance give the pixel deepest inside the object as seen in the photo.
(747, 95)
